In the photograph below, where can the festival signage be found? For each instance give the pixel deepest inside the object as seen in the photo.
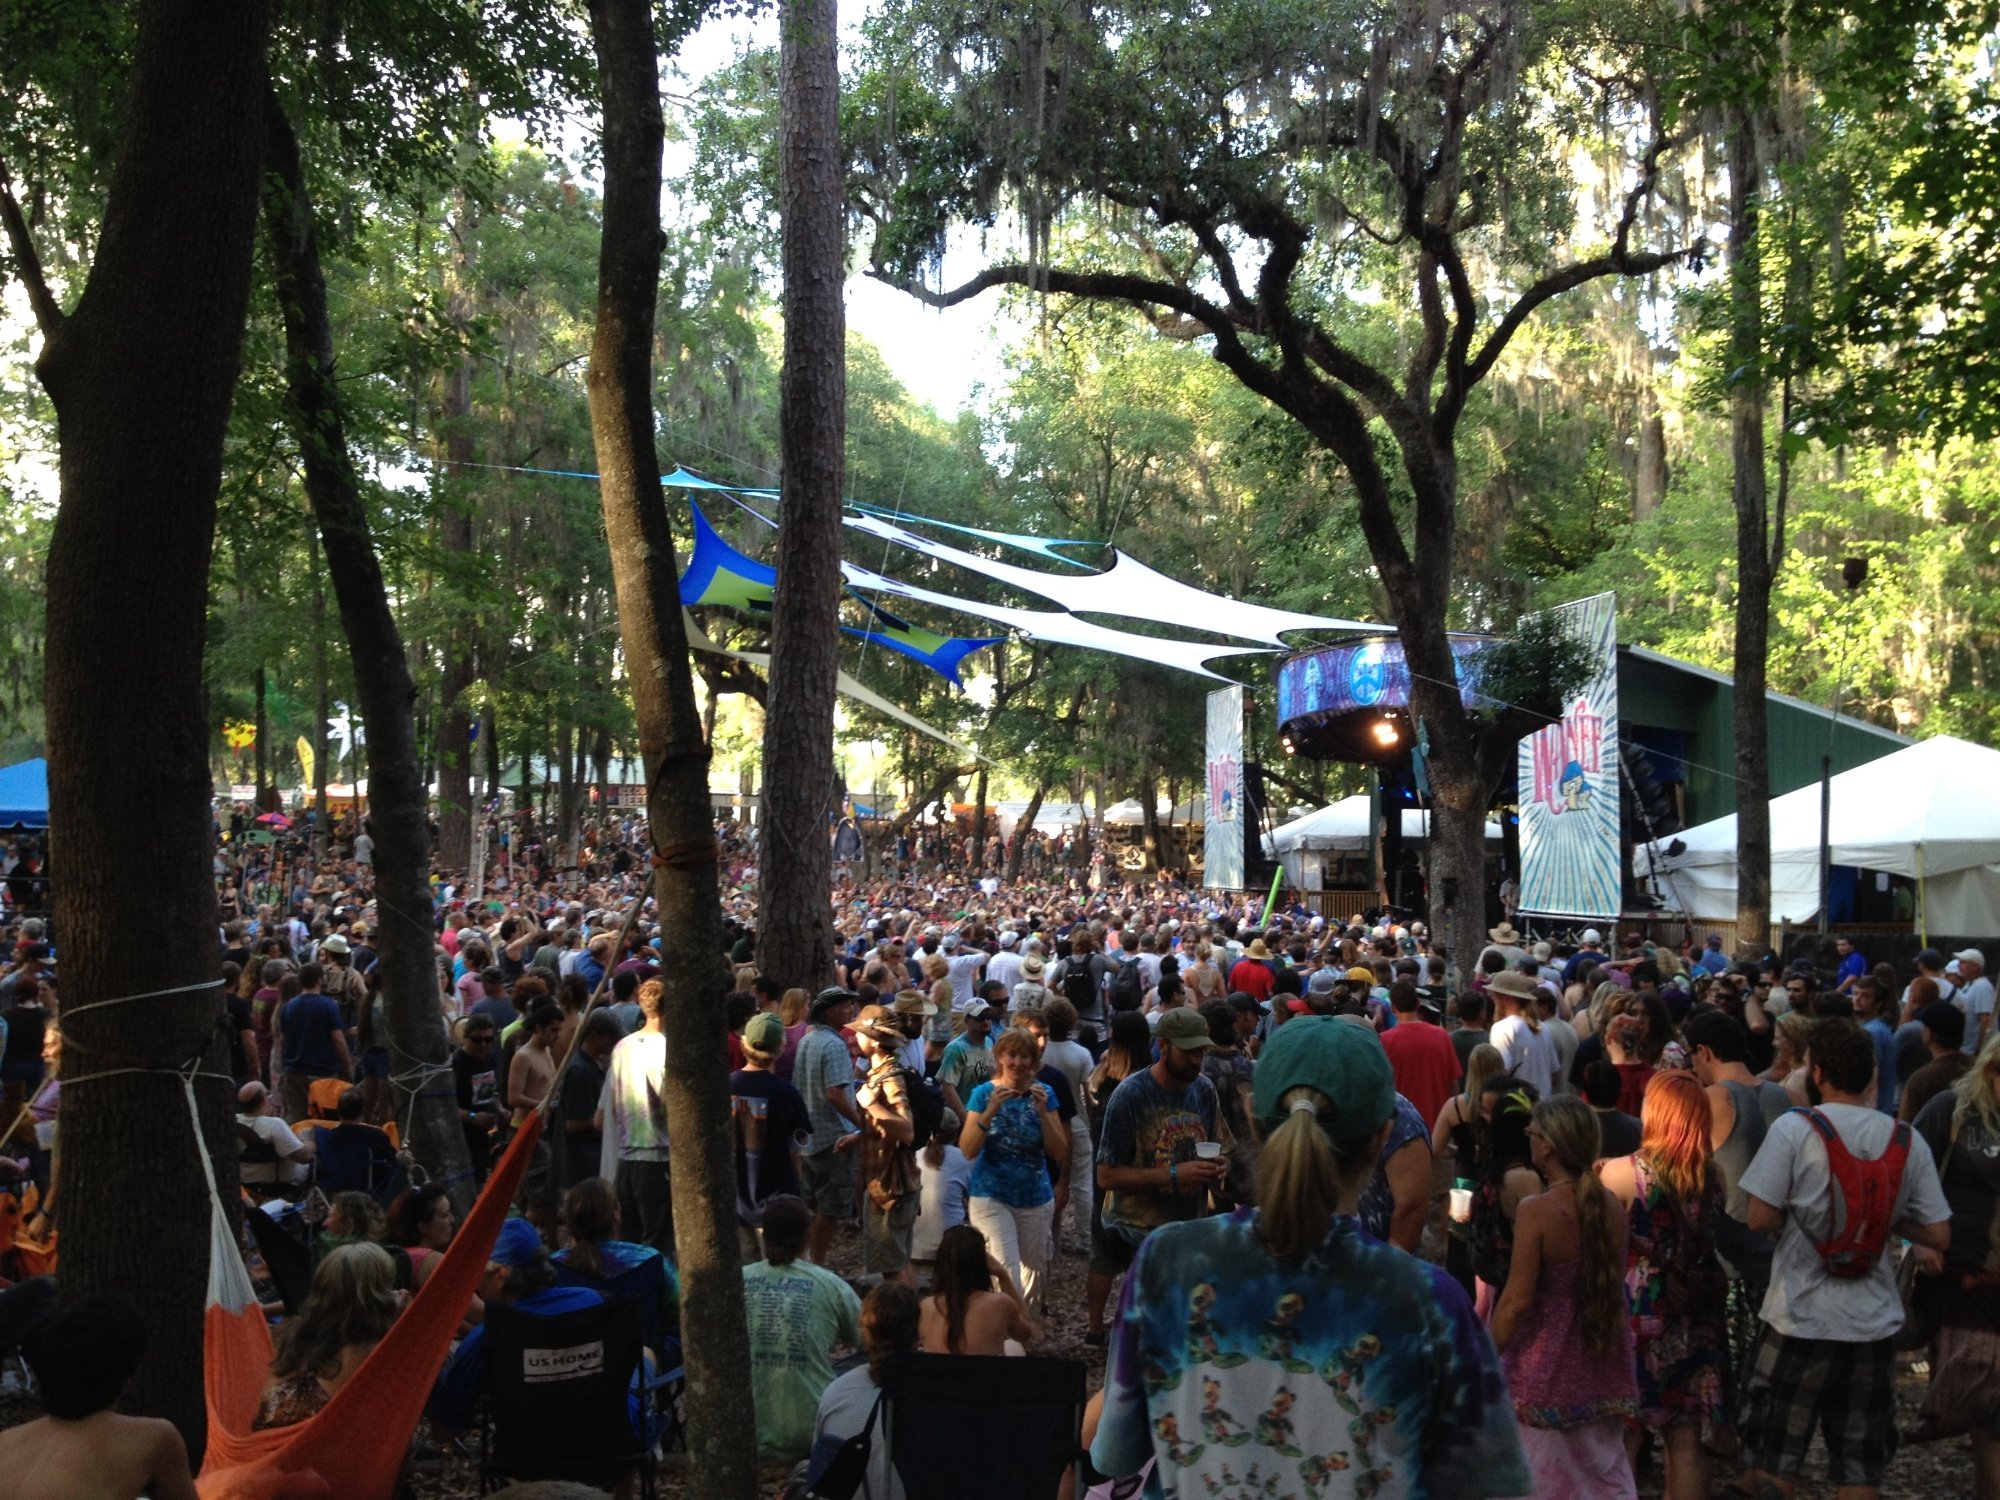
(1222, 833)
(1568, 777)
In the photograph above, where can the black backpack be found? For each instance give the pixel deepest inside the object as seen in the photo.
(926, 1105)
(1127, 988)
(1079, 986)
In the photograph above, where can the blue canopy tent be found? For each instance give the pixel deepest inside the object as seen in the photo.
(24, 795)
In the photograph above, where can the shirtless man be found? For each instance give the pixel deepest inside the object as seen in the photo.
(83, 1449)
(533, 1071)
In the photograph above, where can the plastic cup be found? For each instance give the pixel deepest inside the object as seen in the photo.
(1461, 1205)
(1207, 1150)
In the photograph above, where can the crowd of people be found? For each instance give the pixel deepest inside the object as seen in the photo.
(1597, 1205)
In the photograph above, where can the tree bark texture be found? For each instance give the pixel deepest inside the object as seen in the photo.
(795, 861)
(1755, 547)
(454, 761)
(142, 375)
(721, 1443)
(1017, 847)
(410, 1016)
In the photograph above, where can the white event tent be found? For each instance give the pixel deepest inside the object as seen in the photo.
(1343, 827)
(1929, 812)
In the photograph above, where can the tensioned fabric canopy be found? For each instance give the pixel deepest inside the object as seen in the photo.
(1129, 589)
(1062, 629)
(698, 641)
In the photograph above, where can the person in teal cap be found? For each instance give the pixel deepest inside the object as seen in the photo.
(1346, 1367)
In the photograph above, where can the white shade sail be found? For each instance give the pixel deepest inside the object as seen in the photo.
(1129, 590)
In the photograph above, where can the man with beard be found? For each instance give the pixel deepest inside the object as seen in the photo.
(1147, 1166)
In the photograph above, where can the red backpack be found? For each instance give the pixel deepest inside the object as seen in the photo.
(1868, 1195)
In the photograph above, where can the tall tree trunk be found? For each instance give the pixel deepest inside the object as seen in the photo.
(142, 375)
(322, 696)
(263, 742)
(1149, 820)
(1756, 548)
(721, 1445)
(977, 861)
(455, 748)
(1649, 478)
(795, 856)
(409, 1016)
(1018, 847)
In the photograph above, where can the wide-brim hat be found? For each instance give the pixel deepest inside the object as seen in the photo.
(1258, 950)
(1504, 934)
(1515, 986)
(914, 1003)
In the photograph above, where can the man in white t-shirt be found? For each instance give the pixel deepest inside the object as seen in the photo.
(1005, 966)
(964, 965)
(1824, 1357)
(1975, 998)
(293, 1157)
(1525, 1043)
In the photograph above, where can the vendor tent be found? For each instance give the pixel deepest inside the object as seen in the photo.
(1345, 827)
(24, 795)
(1928, 812)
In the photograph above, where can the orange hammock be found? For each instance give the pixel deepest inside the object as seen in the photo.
(354, 1447)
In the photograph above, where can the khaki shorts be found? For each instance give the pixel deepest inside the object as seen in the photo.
(885, 1237)
(828, 1178)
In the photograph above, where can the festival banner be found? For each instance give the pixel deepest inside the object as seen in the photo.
(1222, 834)
(1568, 779)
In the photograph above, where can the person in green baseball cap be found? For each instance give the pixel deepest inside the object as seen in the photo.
(1288, 1338)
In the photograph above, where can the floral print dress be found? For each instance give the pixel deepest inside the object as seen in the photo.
(1678, 1295)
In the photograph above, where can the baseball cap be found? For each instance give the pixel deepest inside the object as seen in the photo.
(1970, 956)
(764, 1034)
(520, 1244)
(1341, 1060)
(1592, 937)
(1359, 975)
(1944, 1021)
(1185, 1029)
(1322, 982)
(972, 1006)
(1544, 952)
(1009, 938)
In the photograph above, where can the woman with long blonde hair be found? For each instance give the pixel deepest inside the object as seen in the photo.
(1458, 1122)
(792, 1012)
(1286, 1337)
(352, 1304)
(1673, 1196)
(1562, 1324)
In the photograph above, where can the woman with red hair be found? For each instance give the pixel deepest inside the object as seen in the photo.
(1673, 1198)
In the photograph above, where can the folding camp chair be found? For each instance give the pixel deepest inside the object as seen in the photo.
(358, 1159)
(286, 1257)
(1037, 1402)
(646, 1285)
(556, 1397)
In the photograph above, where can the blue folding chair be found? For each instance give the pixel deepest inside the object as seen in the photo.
(645, 1286)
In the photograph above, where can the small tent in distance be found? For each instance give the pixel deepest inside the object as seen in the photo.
(24, 795)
